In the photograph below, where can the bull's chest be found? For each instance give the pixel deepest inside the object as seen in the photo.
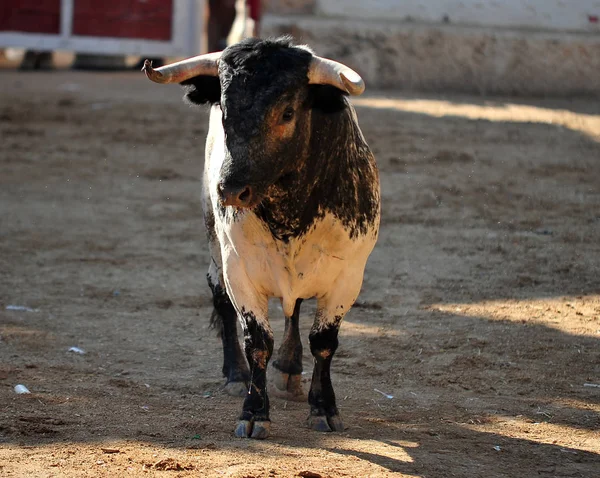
(302, 267)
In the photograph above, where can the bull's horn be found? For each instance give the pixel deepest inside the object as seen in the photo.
(328, 72)
(207, 65)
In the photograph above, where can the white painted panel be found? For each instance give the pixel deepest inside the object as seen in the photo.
(98, 45)
(572, 15)
(187, 32)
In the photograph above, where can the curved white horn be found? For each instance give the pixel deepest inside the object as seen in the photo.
(328, 72)
(207, 64)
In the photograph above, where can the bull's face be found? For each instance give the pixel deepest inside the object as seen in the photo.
(263, 89)
(267, 132)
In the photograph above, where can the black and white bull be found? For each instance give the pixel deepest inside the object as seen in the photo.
(291, 204)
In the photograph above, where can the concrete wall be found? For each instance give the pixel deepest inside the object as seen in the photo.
(566, 15)
(529, 47)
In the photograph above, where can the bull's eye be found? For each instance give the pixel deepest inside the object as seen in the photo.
(288, 114)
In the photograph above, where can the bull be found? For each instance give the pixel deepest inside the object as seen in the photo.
(291, 205)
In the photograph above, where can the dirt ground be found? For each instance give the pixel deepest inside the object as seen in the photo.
(480, 310)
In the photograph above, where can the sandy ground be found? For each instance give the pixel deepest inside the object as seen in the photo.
(480, 311)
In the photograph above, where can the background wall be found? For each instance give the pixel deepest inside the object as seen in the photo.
(518, 47)
(569, 15)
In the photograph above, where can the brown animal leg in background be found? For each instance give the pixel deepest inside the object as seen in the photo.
(37, 60)
(287, 368)
(220, 20)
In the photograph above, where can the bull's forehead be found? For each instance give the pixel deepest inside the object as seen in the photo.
(248, 100)
(256, 75)
(245, 91)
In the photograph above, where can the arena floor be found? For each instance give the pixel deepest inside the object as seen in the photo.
(480, 310)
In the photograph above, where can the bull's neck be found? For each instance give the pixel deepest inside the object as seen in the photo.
(337, 176)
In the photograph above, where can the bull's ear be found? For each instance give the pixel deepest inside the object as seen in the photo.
(202, 89)
(327, 99)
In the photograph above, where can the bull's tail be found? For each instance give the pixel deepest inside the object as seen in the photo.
(216, 322)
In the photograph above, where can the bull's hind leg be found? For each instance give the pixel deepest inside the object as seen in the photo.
(224, 318)
(287, 367)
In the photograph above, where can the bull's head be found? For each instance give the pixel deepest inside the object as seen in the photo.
(267, 91)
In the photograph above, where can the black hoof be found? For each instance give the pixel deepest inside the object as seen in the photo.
(322, 423)
(335, 423)
(258, 430)
(236, 389)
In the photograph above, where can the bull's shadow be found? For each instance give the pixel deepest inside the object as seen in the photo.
(461, 452)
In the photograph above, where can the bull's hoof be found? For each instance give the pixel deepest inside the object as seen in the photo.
(322, 423)
(335, 423)
(287, 386)
(261, 430)
(253, 429)
(236, 389)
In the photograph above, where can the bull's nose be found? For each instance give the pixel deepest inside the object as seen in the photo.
(235, 196)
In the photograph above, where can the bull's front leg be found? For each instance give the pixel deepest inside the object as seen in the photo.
(331, 309)
(252, 308)
(323, 337)
(258, 343)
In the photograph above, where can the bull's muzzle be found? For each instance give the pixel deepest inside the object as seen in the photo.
(237, 196)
